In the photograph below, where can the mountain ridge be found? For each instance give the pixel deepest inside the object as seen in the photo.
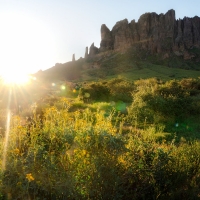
(155, 38)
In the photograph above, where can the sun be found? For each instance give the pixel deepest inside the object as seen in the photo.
(27, 45)
(15, 78)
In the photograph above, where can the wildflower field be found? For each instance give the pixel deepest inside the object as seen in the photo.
(140, 141)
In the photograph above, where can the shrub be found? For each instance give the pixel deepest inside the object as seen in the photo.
(161, 102)
(121, 89)
(117, 89)
(94, 92)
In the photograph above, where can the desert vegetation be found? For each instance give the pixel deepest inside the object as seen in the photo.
(111, 139)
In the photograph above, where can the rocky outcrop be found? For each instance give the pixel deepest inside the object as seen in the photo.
(106, 39)
(188, 32)
(93, 50)
(122, 35)
(155, 33)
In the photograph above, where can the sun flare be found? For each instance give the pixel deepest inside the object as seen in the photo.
(27, 45)
(16, 78)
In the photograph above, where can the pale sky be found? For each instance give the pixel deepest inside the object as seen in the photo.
(36, 34)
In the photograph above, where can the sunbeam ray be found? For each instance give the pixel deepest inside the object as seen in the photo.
(7, 132)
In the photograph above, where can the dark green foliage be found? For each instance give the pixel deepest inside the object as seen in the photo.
(121, 89)
(96, 92)
(117, 89)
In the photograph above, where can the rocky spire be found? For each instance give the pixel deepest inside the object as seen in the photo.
(86, 52)
(73, 57)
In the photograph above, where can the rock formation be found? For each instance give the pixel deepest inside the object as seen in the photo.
(155, 33)
(86, 52)
(73, 57)
(93, 50)
(122, 35)
(106, 39)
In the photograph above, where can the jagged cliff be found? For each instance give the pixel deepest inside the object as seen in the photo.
(154, 33)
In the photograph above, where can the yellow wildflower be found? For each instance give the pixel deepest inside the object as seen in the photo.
(84, 152)
(75, 150)
(30, 177)
(16, 151)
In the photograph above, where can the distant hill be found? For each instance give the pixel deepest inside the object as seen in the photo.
(155, 46)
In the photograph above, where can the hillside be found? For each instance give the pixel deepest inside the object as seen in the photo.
(130, 64)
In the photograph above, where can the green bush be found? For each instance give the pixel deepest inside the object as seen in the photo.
(121, 89)
(95, 92)
(161, 102)
(117, 89)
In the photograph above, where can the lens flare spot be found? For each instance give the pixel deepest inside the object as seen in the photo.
(63, 87)
(120, 106)
(87, 95)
